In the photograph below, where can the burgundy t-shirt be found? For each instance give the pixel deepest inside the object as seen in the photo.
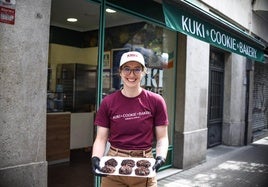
(131, 121)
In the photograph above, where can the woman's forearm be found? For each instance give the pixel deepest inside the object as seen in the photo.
(162, 147)
(98, 148)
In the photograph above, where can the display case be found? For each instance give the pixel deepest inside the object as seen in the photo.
(78, 82)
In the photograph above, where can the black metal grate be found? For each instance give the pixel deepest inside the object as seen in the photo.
(260, 98)
(216, 95)
(216, 86)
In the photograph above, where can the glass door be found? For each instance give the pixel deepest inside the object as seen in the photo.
(73, 62)
(158, 46)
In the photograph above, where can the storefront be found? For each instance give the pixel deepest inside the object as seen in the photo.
(57, 72)
(83, 61)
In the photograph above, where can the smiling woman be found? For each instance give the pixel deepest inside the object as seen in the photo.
(131, 132)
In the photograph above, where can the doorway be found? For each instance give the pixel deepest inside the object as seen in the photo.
(73, 57)
(215, 105)
(76, 44)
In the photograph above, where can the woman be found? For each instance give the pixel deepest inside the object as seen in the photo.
(130, 119)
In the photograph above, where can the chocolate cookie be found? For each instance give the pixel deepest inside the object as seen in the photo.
(128, 162)
(125, 170)
(108, 169)
(111, 162)
(144, 163)
(143, 171)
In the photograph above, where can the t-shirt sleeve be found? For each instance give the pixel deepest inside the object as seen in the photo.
(161, 116)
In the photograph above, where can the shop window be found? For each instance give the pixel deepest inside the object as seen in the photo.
(158, 46)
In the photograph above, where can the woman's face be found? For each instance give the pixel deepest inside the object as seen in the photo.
(131, 74)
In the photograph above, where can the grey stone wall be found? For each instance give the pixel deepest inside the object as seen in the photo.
(23, 72)
(190, 136)
(233, 131)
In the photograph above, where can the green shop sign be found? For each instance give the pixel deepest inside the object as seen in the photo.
(183, 22)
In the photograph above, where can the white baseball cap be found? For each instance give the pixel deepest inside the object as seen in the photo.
(132, 56)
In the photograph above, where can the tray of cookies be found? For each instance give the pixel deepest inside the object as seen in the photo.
(127, 166)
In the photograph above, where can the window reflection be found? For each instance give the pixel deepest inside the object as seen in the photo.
(158, 46)
(148, 40)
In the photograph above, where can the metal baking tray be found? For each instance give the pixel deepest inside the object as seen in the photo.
(120, 159)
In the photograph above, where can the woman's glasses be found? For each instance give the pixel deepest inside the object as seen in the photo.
(127, 71)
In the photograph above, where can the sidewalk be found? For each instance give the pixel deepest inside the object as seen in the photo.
(226, 166)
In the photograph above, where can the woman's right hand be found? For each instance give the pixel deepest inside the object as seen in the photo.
(95, 162)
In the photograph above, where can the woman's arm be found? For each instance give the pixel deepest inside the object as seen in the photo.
(162, 143)
(100, 142)
(161, 146)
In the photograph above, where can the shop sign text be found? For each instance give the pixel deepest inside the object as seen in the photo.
(198, 29)
(189, 24)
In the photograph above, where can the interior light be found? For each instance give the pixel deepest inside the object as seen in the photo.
(110, 10)
(72, 19)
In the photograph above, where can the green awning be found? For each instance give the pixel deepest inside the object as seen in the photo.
(185, 22)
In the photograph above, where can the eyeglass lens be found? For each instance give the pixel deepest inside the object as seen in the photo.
(136, 71)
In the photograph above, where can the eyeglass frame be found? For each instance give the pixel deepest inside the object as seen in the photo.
(131, 70)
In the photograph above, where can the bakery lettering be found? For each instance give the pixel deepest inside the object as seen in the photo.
(231, 43)
(216, 36)
(132, 55)
(223, 39)
(133, 115)
(193, 27)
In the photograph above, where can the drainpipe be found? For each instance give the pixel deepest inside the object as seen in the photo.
(249, 69)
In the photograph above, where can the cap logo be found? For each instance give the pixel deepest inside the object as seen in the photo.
(132, 55)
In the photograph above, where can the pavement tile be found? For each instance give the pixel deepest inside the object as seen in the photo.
(226, 166)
